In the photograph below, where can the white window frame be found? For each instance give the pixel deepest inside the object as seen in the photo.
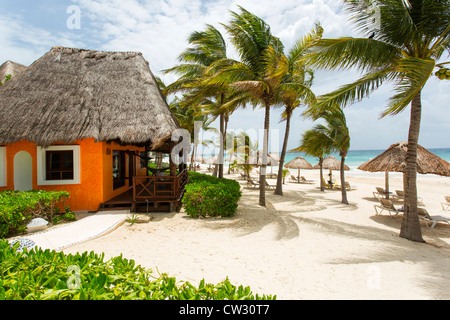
(3, 172)
(41, 165)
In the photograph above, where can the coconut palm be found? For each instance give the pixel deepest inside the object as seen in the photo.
(406, 46)
(207, 47)
(336, 130)
(317, 143)
(295, 89)
(259, 73)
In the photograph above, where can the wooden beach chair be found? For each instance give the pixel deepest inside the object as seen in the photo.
(380, 193)
(386, 204)
(400, 195)
(269, 186)
(293, 179)
(446, 204)
(304, 180)
(252, 184)
(424, 215)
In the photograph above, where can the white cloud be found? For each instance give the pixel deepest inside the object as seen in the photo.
(159, 29)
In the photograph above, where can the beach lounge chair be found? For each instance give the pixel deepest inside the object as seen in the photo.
(252, 184)
(380, 193)
(269, 186)
(424, 215)
(386, 204)
(293, 179)
(304, 180)
(330, 186)
(400, 195)
(348, 187)
(446, 204)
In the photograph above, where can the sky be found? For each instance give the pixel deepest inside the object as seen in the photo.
(160, 28)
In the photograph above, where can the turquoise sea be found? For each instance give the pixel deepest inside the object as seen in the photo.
(357, 157)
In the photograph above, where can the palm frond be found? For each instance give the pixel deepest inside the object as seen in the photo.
(346, 53)
(414, 73)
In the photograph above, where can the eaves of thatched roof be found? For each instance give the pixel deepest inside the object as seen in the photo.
(70, 94)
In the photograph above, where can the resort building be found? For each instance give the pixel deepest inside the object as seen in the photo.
(83, 121)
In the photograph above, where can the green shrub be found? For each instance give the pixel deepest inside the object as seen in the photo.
(49, 275)
(17, 208)
(207, 195)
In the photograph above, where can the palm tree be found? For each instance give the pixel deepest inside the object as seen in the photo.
(317, 143)
(406, 47)
(259, 73)
(207, 47)
(295, 90)
(338, 134)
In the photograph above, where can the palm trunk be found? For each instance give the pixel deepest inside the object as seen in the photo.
(262, 174)
(221, 144)
(343, 188)
(410, 228)
(279, 188)
(322, 187)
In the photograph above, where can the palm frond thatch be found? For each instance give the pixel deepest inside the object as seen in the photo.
(70, 94)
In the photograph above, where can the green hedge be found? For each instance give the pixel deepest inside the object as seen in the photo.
(207, 195)
(49, 275)
(17, 208)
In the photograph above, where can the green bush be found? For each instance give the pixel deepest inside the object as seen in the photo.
(17, 208)
(49, 275)
(207, 195)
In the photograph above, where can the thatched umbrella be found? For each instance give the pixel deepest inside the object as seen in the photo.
(394, 160)
(70, 94)
(298, 163)
(331, 163)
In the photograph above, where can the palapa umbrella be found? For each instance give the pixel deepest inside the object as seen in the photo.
(298, 163)
(331, 163)
(394, 160)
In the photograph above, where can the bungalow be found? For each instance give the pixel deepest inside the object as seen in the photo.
(82, 121)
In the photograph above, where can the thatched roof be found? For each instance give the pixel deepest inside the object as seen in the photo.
(70, 94)
(332, 163)
(298, 163)
(12, 68)
(394, 160)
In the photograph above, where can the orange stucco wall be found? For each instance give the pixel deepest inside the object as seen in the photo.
(96, 181)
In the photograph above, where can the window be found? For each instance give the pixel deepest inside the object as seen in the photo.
(118, 169)
(2, 166)
(59, 165)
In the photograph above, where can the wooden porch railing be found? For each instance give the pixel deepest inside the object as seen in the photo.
(159, 188)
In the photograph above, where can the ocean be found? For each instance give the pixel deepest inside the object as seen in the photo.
(355, 158)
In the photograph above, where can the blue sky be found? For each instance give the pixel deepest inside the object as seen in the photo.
(159, 29)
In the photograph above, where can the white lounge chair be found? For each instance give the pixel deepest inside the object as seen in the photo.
(252, 184)
(424, 215)
(386, 204)
(446, 204)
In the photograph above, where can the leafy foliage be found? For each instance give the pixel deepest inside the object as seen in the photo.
(49, 275)
(17, 208)
(207, 195)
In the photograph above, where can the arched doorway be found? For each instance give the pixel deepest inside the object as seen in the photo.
(23, 171)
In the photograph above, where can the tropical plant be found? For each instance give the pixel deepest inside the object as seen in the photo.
(295, 89)
(406, 46)
(336, 130)
(259, 73)
(317, 143)
(205, 56)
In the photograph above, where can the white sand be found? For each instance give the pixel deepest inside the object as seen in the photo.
(304, 245)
